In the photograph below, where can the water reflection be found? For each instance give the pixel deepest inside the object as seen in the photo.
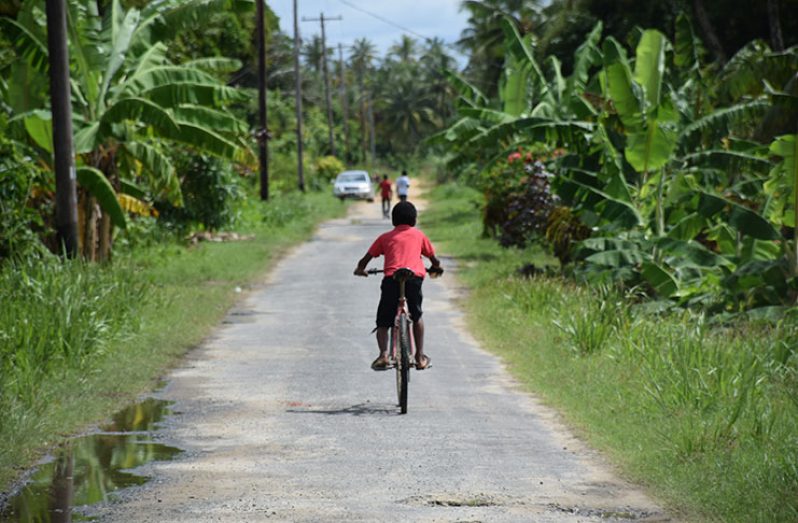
(87, 469)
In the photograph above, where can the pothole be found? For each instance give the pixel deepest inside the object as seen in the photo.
(479, 500)
(619, 513)
(242, 316)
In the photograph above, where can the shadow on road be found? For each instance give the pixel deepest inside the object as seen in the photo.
(361, 409)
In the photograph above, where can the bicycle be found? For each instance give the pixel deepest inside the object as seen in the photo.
(402, 349)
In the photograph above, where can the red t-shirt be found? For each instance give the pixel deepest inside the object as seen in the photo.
(403, 247)
(385, 187)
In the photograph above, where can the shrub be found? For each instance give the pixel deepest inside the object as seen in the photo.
(518, 200)
(328, 167)
(18, 179)
(209, 189)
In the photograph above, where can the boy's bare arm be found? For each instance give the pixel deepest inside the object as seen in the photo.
(360, 270)
(436, 263)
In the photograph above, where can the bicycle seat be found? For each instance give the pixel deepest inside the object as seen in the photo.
(403, 274)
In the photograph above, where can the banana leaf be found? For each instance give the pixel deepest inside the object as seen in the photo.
(613, 210)
(94, 181)
(725, 158)
(688, 227)
(469, 93)
(518, 47)
(784, 177)
(650, 65)
(652, 148)
(27, 44)
(687, 47)
(139, 109)
(745, 220)
(586, 56)
(617, 258)
(663, 282)
(690, 254)
(39, 125)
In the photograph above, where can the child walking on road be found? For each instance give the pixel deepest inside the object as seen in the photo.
(386, 192)
(402, 247)
(402, 186)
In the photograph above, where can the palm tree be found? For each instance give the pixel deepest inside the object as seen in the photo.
(361, 57)
(405, 49)
(407, 107)
(483, 39)
(436, 62)
(312, 51)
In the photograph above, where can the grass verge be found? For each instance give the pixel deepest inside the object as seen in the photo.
(705, 416)
(78, 342)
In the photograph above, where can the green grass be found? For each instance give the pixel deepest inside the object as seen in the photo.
(78, 342)
(705, 416)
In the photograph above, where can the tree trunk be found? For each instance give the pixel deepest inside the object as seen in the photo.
(713, 42)
(776, 39)
(90, 231)
(105, 237)
(372, 138)
(82, 217)
(363, 127)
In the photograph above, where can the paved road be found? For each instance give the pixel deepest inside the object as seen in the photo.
(283, 420)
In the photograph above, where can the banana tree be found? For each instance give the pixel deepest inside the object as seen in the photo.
(648, 117)
(130, 103)
(535, 104)
(782, 187)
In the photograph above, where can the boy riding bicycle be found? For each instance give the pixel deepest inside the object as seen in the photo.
(402, 247)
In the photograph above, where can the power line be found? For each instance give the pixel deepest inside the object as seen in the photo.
(383, 19)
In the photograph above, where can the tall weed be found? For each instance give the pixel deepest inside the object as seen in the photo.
(594, 319)
(59, 315)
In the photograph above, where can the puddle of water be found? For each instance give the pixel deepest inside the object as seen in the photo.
(88, 469)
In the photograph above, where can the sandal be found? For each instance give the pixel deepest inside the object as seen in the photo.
(381, 363)
(424, 363)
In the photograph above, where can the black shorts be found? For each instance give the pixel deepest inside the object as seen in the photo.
(389, 298)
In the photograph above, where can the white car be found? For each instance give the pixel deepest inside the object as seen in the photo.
(353, 184)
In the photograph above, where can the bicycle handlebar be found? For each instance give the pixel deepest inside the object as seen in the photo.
(434, 272)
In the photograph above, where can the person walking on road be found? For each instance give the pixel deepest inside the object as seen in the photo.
(402, 186)
(386, 193)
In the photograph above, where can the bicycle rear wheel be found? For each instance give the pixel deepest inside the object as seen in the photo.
(403, 363)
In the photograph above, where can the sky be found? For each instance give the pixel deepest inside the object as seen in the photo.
(429, 18)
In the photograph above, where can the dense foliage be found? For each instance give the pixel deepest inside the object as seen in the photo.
(681, 169)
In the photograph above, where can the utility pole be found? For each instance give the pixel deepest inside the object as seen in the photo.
(263, 133)
(327, 96)
(344, 100)
(372, 140)
(298, 97)
(66, 201)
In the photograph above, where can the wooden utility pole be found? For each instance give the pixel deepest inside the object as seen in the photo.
(344, 100)
(300, 169)
(372, 140)
(263, 133)
(327, 96)
(66, 201)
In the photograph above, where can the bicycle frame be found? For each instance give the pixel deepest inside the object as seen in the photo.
(402, 323)
(402, 310)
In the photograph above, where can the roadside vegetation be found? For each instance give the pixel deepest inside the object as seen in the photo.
(80, 341)
(703, 413)
(618, 190)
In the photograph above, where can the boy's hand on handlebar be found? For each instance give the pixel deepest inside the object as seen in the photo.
(360, 271)
(435, 271)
